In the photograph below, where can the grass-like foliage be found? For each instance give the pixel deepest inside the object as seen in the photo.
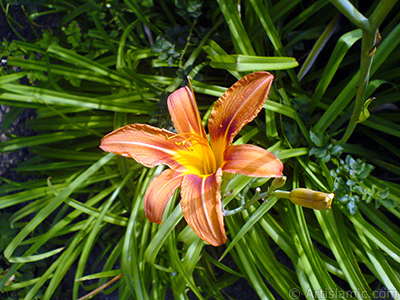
(332, 118)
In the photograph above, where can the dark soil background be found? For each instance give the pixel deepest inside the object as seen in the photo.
(10, 160)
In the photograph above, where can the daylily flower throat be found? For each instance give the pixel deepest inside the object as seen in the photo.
(200, 158)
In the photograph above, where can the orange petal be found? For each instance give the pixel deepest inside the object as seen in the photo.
(252, 161)
(239, 105)
(202, 208)
(184, 112)
(148, 145)
(159, 193)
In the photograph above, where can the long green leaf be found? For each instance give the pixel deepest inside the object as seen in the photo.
(342, 46)
(39, 96)
(264, 208)
(244, 63)
(240, 38)
(56, 202)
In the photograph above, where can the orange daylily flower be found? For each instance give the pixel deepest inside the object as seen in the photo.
(195, 163)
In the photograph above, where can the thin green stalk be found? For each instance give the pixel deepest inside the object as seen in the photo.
(102, 32)
(380, 12)
(9, 19)
(249, 203)
(369, 29)
(351, 13)
(368, 43)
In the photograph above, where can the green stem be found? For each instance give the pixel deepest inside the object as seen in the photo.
(380, 12)
(368, 42)
(249, 203)
(351, 13)
(278, 194)
(369, 29)
(281, 194)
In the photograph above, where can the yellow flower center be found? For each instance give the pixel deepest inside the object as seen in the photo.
(196, 155)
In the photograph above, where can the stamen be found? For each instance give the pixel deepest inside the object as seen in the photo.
(205, 153)
(191, 137)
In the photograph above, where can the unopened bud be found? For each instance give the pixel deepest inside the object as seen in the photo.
(277, 183)
(311, 199)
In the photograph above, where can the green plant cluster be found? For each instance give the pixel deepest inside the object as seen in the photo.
(324, 149)
(77, 227)
(350, 187)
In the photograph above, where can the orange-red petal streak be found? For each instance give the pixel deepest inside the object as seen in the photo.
(202, 208)
(184, 112)
(149, 146)
(238, 106)
(159, 193)
(251, 161)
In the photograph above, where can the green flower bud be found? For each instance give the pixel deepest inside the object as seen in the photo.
(311, 199)
(277, 183)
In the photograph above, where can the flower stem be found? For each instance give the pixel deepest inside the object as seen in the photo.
(380, 12)
(368, 43)
(249, 203)
(355, 17)
(275, 193)
(369, 29)
(281, 194)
